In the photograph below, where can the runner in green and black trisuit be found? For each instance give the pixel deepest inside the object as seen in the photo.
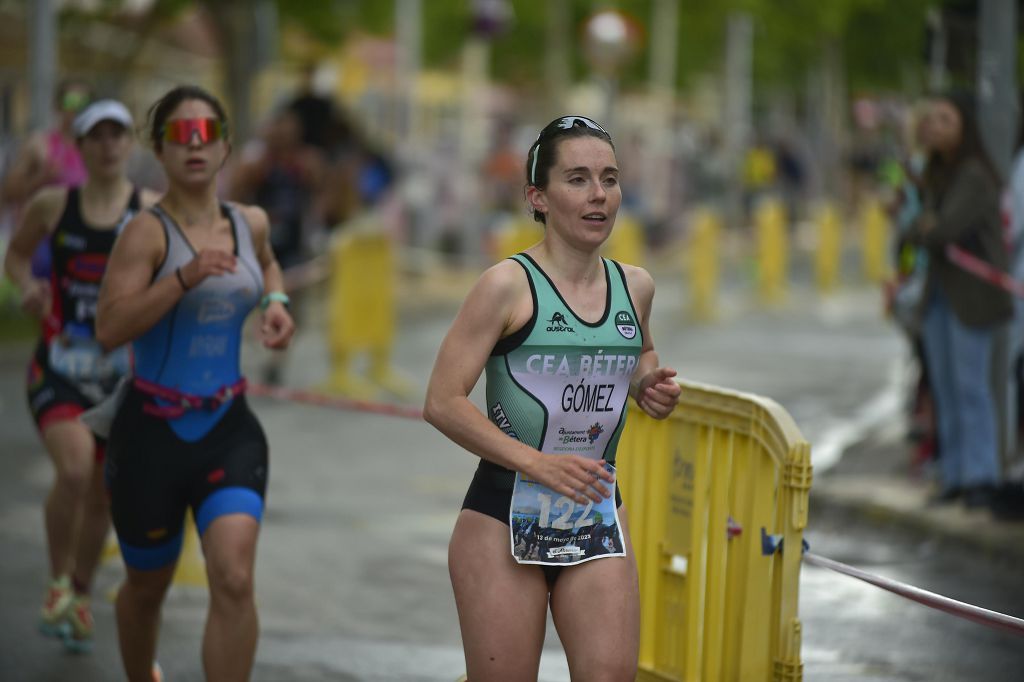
(563, 335)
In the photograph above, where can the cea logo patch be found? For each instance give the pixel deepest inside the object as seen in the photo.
(625, 324)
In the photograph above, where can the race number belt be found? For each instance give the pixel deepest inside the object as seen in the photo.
(181, 402)
(83, 360)
(555, 530)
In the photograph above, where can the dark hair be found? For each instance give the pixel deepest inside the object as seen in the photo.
(162, 108)
(541, 158)
(939, 171)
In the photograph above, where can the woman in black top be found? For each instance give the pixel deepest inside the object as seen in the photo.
(962, 310)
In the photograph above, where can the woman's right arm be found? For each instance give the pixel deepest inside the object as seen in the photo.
(487, 314)
(130, 301)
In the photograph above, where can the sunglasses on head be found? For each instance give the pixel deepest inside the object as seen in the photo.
(564, 123)
(181, 130)
(567, 122)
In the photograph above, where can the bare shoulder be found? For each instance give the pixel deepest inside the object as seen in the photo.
(257, 218)
(144, 232)
(639, 282)
(47, 205)
(505, 280)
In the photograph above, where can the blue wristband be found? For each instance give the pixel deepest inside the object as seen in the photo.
(278, 296)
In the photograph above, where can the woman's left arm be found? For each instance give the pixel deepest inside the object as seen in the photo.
(652, 386)
(277, 325)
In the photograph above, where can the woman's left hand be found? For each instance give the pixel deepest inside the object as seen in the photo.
(658, 393)
(277, 326)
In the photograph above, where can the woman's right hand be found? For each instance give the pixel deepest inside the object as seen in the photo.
(206, 263)
(35, 298)
(579, 478)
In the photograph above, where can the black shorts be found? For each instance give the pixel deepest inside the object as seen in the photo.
(153, 476)
(490, 493)
(53, 397)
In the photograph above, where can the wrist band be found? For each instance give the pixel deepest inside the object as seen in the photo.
(278, 296)
(181, 279)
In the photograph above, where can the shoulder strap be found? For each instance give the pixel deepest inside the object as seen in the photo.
(244, 245)
(73, 207)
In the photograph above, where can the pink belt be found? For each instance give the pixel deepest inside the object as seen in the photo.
(182, 402)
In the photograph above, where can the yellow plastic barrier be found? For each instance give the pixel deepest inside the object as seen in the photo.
(361, 315)
(515, 236)
(626, 242)
(830, 245)
(772, 250)
(702, 265)
(875, 239)
(707, 489)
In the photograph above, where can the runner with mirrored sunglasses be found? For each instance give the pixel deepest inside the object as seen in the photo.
(181, 281)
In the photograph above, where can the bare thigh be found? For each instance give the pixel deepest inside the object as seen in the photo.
(502, 605)
(596, 609)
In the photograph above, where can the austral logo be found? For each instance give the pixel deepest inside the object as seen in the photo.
(625, 324)
(558, 323)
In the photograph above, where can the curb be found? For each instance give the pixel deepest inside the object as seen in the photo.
(898, 502)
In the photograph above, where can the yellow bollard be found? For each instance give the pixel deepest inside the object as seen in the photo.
(772, 250)
(830, 245)
(626, 242)
(361, 316)
(702, 265)
(875, 240)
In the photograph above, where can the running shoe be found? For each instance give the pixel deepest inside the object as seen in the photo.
(78, 634)
(52, 617)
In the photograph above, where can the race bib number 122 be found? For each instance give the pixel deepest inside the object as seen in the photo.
(552, 529)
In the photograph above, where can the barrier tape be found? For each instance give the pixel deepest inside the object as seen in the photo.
(984, 270)
(976, 614)
(992, 619)
(324, 400)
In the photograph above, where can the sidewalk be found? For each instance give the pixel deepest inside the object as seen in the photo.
(873, 480)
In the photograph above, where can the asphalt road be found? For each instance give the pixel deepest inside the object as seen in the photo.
(351, 570)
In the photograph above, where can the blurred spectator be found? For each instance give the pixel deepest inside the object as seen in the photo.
(905, 294)
(759, 173)
(962, 311)
(316, 113)
(503, 172)
(791, 175)
(1009, 502)
(48, 158)
(283, 176)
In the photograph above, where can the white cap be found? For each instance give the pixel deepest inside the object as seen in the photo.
(101, 110)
